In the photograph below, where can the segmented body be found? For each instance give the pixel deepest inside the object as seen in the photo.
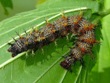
(60, 28)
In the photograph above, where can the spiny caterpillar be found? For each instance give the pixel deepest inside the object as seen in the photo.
(78, 25)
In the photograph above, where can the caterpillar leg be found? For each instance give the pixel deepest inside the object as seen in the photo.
(42, 51)
(25, 32)
(55, 43)
(33, 53)
(10, 44)
(67, 38)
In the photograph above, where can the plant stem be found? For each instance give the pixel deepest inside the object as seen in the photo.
(100, 16)
(104, 13)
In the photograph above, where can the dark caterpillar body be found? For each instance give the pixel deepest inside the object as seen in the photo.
(75, 54)
(82, 46)
(44, 36)
(78, 25)
(18, 47)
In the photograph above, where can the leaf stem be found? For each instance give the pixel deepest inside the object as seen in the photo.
(104, 13)
(100, 16)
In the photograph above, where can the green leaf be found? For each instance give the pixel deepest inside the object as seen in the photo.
(41, 68)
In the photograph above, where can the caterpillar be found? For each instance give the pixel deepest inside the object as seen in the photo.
(78, 25)
(83, 45)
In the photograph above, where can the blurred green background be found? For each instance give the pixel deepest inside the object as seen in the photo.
(15, 6)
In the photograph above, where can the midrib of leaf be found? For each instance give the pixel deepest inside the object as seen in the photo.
(21, 25)
(24, 23)
(67, 11)
(27, 15)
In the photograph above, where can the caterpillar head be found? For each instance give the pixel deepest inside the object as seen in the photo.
(67, 63)
(13, 50)
(17, 47)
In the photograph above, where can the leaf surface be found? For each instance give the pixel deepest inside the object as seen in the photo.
(40, 68)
